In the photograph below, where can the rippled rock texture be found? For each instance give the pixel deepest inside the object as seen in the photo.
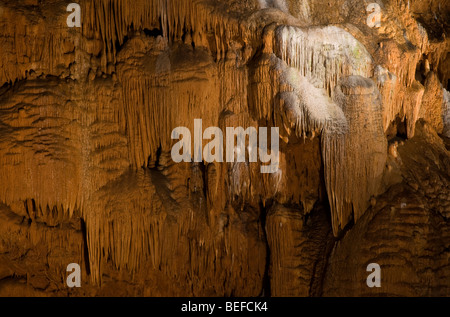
(87, 176)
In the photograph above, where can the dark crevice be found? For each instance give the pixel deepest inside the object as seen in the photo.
(120, 44)
(153, 33)
(402, 130)
(266, 292)
(343, 231)
(331, 243)
(27, 211)
(158, 156)
(435, 25)
(202, 167)
(185, 35)
(85, 247)
(422, 70)
(316, 289)
(30, 209)
(397, 130)
(155, 163)
(328, 241)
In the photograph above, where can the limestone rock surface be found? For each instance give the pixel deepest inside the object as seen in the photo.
(86, 168)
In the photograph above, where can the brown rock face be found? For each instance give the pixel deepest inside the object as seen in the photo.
(89, 124)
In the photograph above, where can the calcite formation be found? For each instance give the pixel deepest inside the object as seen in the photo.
(87, 175)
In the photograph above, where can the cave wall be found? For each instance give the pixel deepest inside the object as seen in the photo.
(87, 177)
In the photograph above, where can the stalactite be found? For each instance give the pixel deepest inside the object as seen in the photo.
(89, 130)
(175, 18)
(354, 161)
(325, 54)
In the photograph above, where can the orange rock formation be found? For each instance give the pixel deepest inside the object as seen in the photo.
(86, 174)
